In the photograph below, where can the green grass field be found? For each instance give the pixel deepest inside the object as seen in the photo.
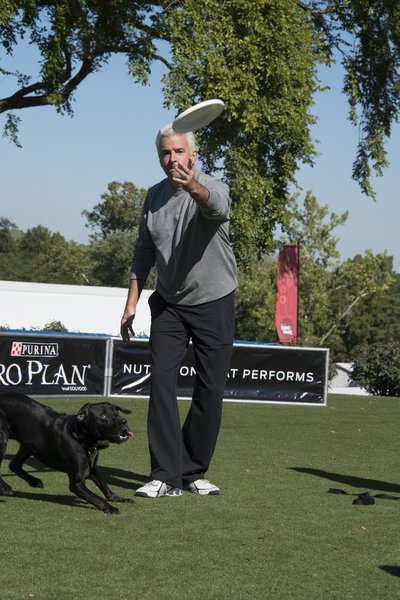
(274, 532)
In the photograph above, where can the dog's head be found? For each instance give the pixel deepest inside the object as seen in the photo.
(103, 422)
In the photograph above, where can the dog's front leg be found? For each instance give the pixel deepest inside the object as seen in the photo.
(77, 486)
(109, 494)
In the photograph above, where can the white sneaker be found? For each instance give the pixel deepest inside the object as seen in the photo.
(203, 487)
(156, 489)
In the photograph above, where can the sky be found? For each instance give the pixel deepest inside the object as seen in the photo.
(65, 163)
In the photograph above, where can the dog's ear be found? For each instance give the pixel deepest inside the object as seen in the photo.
(126, 411)
(83, 412)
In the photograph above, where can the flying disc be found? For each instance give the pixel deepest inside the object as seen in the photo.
(198, 116)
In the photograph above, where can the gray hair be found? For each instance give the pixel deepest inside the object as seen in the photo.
(167, 130)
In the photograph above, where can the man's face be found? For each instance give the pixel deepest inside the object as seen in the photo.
(174, 149)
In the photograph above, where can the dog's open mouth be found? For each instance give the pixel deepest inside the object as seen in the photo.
(124, 436)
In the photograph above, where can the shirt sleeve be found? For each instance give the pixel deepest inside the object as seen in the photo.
(219, 202)
(144, 254)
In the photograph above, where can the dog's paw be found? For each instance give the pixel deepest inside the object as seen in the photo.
(36, 483)
(6, 491)
(111, 510)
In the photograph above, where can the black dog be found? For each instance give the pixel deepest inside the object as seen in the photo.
(68, 443)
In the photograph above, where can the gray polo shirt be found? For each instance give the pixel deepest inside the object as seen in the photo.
(188, 243)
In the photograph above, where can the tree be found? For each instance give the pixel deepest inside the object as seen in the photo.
(114, 222)
(75, 38)
(377, 368)
(255, 301)
(55, 326)
(9, 264)
(268, 51)
(62, 261)
(43, 256)
(110, 259)
(8, 231)
(366, 33)
(352, 282)
(330, 291)
(47, 257)
(376, 319)
(310, 226)
(260, 57)
(119, 212)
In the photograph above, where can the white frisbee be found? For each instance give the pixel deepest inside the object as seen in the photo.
(198, 116)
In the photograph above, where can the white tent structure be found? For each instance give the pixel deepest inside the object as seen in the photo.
(80, 308)
(342, 382)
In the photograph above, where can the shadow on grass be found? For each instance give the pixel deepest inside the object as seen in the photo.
(111, 475)
(391, 569)
(72, 500)
(359, 482)
(66, 500)
(114, 477)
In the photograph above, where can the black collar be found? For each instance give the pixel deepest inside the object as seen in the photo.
(82, 435)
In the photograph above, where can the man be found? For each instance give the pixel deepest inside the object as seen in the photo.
(184, 231)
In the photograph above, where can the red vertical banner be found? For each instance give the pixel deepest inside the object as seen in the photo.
(287, 287)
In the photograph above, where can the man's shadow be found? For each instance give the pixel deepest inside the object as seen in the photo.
(391, 569)
(360, 482)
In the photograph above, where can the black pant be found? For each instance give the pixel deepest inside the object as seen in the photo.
(179, 456)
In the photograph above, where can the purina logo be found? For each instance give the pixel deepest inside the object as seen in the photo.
(36, 349)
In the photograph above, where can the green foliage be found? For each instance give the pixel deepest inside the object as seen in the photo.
(331, 293)
(329, 290)
(353, 282)
(260, 57)
(110, 259)
(365, 35)
(310, 225)
(375, 319)
(11, 127)
(377, 368)
(42, 256)
(75, 38)
(255, 301)
(372, 82)
(8, 231)
(114, 222)
(52, 258)
(55, 326)
(119, 210)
